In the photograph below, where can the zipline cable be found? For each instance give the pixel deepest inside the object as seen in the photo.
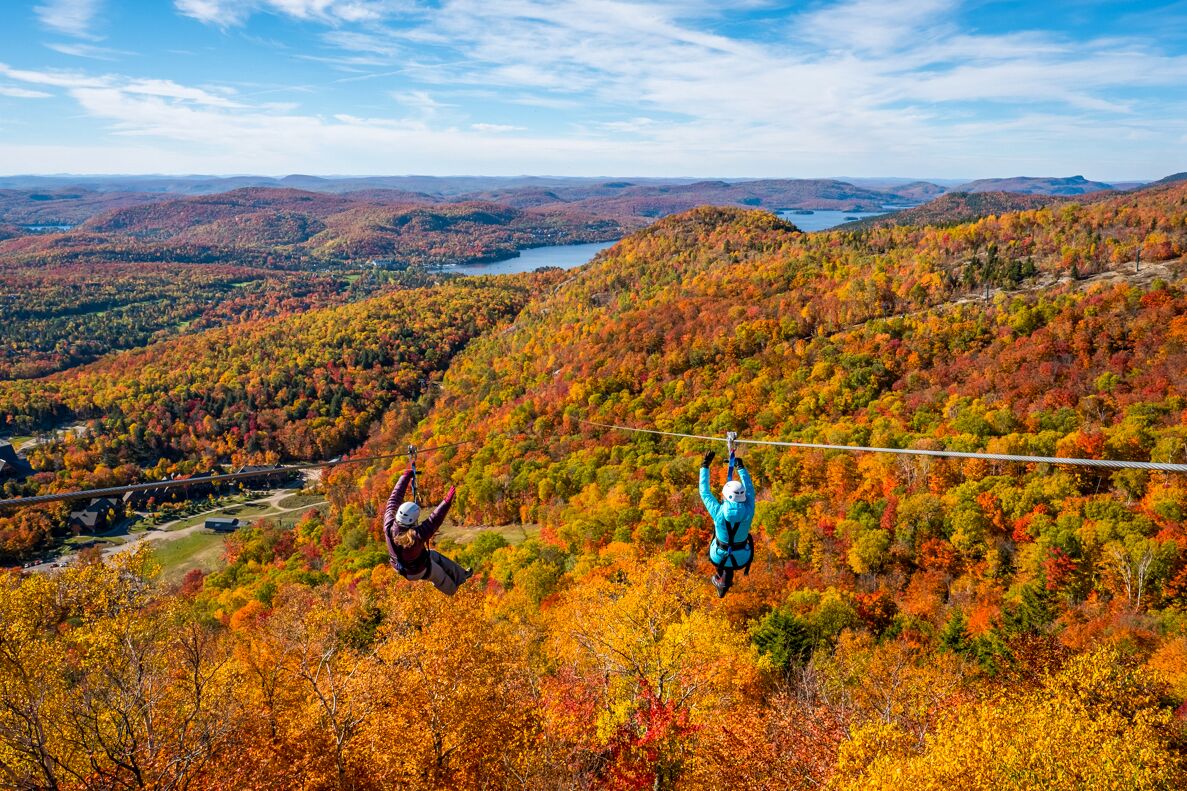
(946, 454)
(1116, 464)
(234, 476)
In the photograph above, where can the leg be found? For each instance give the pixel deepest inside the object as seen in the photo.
(422, 575)
(445, 574)
(722, 581)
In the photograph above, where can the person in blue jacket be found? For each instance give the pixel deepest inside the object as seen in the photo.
(732, 547)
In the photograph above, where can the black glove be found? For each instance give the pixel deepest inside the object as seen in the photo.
(738, 463)
(705, 462)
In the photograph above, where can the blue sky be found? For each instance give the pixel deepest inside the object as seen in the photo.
(925, 88)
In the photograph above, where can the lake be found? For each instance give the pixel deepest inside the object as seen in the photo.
(46, 228)
(823, 219)
(565, 256)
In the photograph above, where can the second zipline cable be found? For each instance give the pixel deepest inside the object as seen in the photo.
(945, 454)
(229, 477)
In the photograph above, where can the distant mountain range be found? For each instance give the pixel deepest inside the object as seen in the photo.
(261, 211)
(953, 208)
(1073, 185)
(566, 188)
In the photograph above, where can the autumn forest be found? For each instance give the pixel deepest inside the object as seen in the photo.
(908, 621)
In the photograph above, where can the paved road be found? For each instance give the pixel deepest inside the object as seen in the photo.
(163, 533)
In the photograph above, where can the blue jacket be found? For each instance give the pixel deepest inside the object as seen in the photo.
(724, 514)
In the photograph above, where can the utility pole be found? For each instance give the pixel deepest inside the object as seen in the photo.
(1137, 261)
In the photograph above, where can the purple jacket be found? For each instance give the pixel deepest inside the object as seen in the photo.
(415, 558)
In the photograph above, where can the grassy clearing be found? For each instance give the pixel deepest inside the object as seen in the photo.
(288, 521)
(515, 534)
(197, 550)
(244, 513)
(83, 541)
(246, 510)
(300, 501)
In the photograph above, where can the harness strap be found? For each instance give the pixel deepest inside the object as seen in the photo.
(728, 547)
(731, 545)
(412, 459)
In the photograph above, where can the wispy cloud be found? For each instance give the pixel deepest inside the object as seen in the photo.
(91, 51)
(72, 17)
(230, 13)
(22, 93)
(497, 128)
(76, 82)
(666, 86)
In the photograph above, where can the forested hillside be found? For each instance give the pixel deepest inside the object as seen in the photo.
(955, 208)
(916, 623)
(303, 387)
(57, 317)
(292, 229)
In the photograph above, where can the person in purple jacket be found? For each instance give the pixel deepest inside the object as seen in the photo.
(408, 537)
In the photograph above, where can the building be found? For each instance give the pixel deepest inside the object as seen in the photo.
(12, 465)
(173, 493)
(268, 477)
(95, 517)
(222, 524)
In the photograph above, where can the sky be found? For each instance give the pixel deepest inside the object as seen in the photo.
(911, 88)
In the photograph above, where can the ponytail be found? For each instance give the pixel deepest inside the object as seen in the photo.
(406, 538)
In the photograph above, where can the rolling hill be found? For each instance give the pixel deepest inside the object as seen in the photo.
(954, 208)
(1030, 185)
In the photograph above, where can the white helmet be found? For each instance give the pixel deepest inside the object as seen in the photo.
(734, 492)
(408, 515)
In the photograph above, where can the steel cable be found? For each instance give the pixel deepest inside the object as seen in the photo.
(947, 454)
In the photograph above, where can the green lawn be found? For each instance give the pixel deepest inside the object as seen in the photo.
(244, 513)
(246, 510)
(85, 540)
(198, 550)
(300, 501)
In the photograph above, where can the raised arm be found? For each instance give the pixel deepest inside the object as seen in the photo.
(431, 525)
(395, 501)
(744, 477)
(711, 504)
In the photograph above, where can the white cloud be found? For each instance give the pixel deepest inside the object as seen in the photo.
(231, 13)
(56, 77)
(875, 25)
(497, 128)
(215, 12)
(75, 82)
(634, 125)
(72, 17)
(88, 51)
(420, 102)
(650, 88)
(22, 93)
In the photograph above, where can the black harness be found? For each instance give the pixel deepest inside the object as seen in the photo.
(422, 564)
(731, 546)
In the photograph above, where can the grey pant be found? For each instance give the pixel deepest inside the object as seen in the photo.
(443, 573)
